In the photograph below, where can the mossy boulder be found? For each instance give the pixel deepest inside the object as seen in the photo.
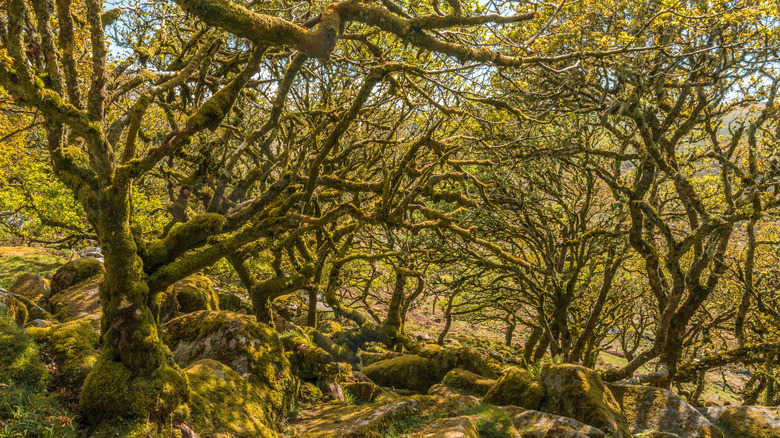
(70, 350)
(363, 391)
(516, 387)
(578, 392)
(13, 308)
(20, 361)
(74, 272)
(223, 405)
(31, 286)
(252, 349)
(229, 301)
(78, 301)
(408, 372)
(339, 421)
(466, 358)
(309, 393)
(529, 421)
(370, 357)
(188, 295)
(654, 409)
(456, 427)
(751, 421)
(329, 327)
(468, 382)
(111, 390)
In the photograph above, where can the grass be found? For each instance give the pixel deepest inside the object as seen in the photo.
(25, 413)
(404, 425)
(16, 260)
(492, 421)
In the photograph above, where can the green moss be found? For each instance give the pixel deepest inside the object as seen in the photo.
(408, 372)
(240, 342)
(578, 392)
(112, 390)
(19, 359)
(15, 309)
(362, 391)
(74, 272)
(71, 350)
(748, 422)
(309, 393)
(466, 358)
(516, 387)
(188, 295)
(468, 382)
(133, 428)
(222, 404)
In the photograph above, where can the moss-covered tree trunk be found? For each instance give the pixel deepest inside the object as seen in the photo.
(135, 374)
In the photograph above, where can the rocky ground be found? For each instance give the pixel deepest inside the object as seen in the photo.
(250, 380)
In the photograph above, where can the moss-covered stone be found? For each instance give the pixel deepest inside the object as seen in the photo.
(229, 301)
(309, 393)
(20, 361)
(648, 408)
(132, 428)
(408, 372)
(340, 421)
(751, 422)
(363, 391)
(468, 382)
(78, 301)
(528, 422)
(13, 308)
(223, 405)
(31, 286)
(329, 327)
(70, 351)
(112, 390)
(75, 271)
(457, 427)
(250, 348)
(578, 392)
(466, 358)
(188, 295)
(516, 387)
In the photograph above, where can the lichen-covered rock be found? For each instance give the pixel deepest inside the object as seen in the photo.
(526, 421)
(250, 348)
(223, 405)
(74, 272)
(188, 295)
(70, 350)
(15, 309)
(516, 387)
(362, 391)
(648, 408)
(370, 357)
(31, 286)
(358, 422)
(466, 358)
(78, 301)
(578, 392)
(20, 361)
(408, 372)
(468, 382)
(456, 427)
(452, 401)
(229, 301)
(751, 421)
(418, 373)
